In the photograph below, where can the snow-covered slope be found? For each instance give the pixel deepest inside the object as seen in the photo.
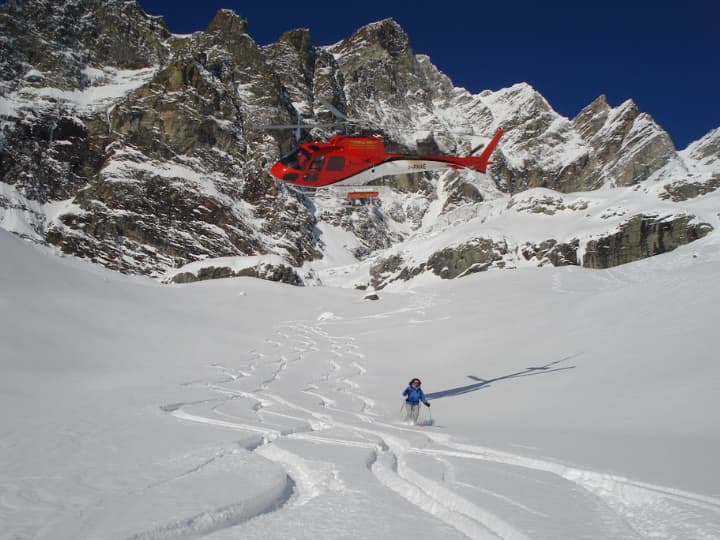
(565, 403)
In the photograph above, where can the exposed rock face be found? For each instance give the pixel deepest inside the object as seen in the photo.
(50, 158)
(281, 273)
(390, 269)
(143, 151)
(683, 191)
(363, 220)
(641, 237)
(396, 72)
(600, 146)
(547, 204)
(61, 39)
(53, 52)
(706, 151)
(171, 171)
(552, 252)
(476, 255)
(637, 238)
(627, 148)
(702, 161)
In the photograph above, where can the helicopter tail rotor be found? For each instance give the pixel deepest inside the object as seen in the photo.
(481, 162)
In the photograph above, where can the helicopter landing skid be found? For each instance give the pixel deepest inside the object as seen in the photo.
(353, 192)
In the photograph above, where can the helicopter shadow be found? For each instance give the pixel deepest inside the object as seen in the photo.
(483, 383)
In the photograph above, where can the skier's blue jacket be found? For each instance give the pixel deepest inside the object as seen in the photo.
(414, 395)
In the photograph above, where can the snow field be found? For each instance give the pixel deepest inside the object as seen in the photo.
(241, 408)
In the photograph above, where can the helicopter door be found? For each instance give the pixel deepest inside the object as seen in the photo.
(335, 163)
(334, 169)
(314, 168)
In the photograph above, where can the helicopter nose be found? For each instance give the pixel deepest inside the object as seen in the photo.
(284, 173)
(278, 170)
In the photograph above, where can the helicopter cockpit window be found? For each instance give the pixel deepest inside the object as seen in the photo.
(335, 163)
(317, 163)
(314, 169)
(297, 159)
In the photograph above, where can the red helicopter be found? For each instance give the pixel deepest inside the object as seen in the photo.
(352, 161)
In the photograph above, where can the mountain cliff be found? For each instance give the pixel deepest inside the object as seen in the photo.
(143, 151)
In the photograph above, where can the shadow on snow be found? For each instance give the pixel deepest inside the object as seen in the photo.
(482, 383)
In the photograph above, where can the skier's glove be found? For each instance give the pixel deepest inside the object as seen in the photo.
(427, 404)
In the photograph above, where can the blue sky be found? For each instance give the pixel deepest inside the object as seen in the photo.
(664, 57)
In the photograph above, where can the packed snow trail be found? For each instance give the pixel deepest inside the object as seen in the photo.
(300, 395)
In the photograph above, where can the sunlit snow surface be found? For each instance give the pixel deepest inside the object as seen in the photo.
(566, 403)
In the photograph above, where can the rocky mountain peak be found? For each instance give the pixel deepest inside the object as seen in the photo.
(707, 148)
(377, 60)
(386, 33)
(299, 39)
(628, 109)
(226, 21)
(599, 103)
(592, 118)
(523, 112)
(293, 60)
(380, 39)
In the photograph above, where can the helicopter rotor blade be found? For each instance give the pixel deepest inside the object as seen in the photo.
(478, 147)
(332, 108)
(346, 121)
(298, 126)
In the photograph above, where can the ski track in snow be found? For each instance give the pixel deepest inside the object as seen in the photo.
(330, 402)
(224, 517)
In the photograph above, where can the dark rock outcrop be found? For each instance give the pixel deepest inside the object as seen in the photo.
(683, 191)
(640, 237)
(476, 255)
(270, 272)
(552, 252)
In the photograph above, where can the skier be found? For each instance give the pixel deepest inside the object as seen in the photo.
(412, 403)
